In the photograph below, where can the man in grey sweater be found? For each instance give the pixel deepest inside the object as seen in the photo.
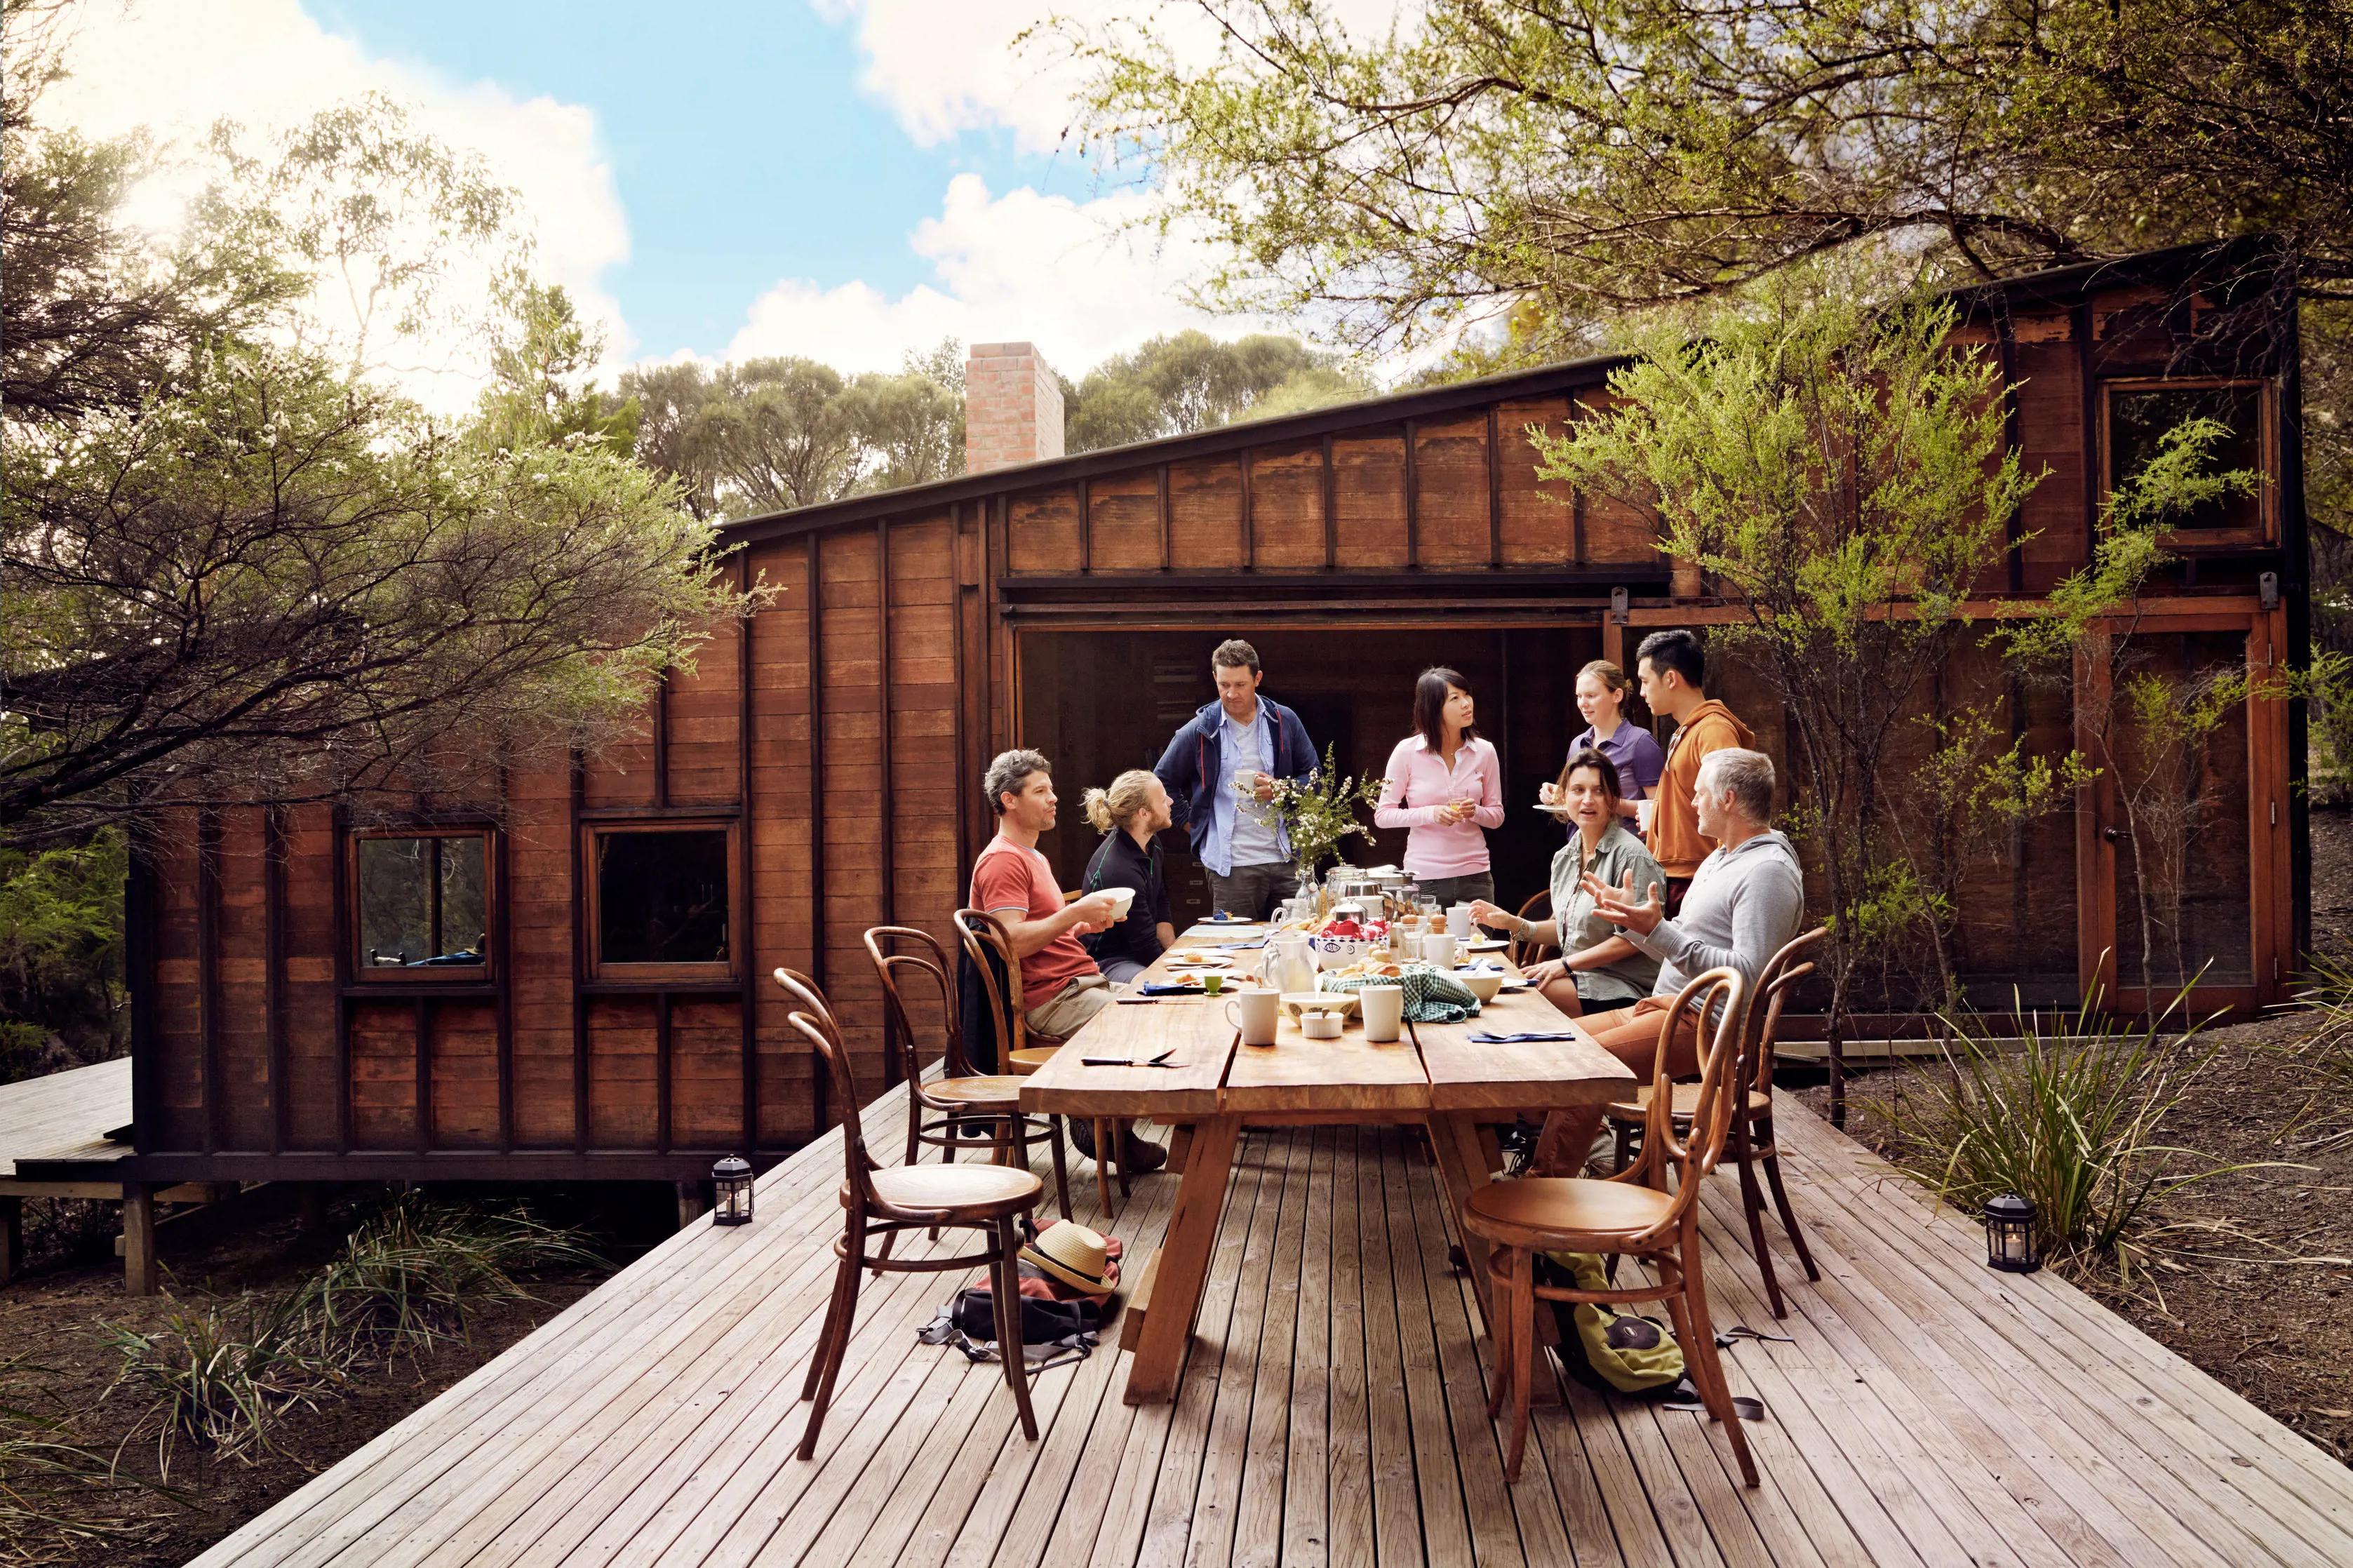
(1746, 902)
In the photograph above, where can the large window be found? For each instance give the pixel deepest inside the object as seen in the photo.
(2141, 413)
(663, 900)
(423, 904)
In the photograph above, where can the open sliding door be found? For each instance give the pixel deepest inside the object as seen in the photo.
(2183, 837)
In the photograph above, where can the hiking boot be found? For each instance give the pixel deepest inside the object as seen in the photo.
(1141, 1156)
(1082, 1134)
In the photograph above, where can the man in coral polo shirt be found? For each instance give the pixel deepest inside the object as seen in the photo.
(1061, 986)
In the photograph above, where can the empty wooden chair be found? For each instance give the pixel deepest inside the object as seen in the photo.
(1751, 1136)
(985, 936)
(881, 1201)
(1632, 1213)
(974, 1109)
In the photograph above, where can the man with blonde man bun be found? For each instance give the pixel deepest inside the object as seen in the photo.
(1747, 899)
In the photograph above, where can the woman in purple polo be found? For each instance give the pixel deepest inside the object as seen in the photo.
(1633, 750)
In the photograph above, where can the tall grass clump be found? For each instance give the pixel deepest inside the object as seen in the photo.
(220, 1377)
(2328, 1050)
(48, 1480)
(2070, 1118)
(412, 1272)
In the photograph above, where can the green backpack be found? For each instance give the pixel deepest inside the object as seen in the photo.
(1608, 1348)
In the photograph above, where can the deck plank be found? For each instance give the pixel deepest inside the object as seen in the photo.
(1331, 1410)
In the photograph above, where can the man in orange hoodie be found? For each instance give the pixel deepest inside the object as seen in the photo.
(1671, 666)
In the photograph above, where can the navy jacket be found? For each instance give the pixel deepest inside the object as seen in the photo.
(1193, 762)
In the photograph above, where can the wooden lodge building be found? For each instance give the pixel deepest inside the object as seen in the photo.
(596, 1005)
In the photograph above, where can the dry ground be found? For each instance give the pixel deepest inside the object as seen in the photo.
(2254, 1284)
(52, 1317)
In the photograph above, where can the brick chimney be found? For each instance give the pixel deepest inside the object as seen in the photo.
(1012, 407)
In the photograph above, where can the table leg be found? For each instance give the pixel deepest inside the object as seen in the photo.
(1184, 1263)
(1180, 1146)
(1461, 1143)
(1462, 1168)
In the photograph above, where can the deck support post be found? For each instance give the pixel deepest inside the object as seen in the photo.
(689, 1203)
(311, 1207)
(12, 1237)
(138, 1238)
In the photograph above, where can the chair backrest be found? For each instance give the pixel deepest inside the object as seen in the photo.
(1718, 995)
(927, 975)
(1525, 951)
(815, 1022)
(1781, 972)
(983, 937)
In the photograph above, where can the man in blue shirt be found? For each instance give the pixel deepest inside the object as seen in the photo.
(1241, 738)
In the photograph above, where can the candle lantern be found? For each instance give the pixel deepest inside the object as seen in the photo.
(2010, 1235)
(730, 1191)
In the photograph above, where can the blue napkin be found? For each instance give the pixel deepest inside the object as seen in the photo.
(1516, 1040)
(1154, 988)
(1230, 946)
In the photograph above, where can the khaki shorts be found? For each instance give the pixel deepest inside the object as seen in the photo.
(1062, 1015)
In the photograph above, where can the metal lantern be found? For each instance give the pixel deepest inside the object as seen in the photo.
(2010, 1235)
(730, 1191)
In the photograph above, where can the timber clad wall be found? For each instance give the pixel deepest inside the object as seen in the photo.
(838, 737)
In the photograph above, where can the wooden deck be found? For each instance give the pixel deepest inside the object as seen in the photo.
(63, 1112)
(1332, 1412)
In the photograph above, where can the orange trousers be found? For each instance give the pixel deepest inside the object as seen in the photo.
(1632, 1035)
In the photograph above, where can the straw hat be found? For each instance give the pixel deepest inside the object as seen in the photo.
(1073, 1254)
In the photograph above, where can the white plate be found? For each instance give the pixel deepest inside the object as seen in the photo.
(1497, 945)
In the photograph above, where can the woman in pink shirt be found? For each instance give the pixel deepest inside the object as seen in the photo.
(1445, 785)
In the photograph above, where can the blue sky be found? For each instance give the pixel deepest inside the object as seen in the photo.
(742, 143)
(850, 180)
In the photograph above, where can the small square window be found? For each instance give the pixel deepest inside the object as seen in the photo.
(664, 901)
(422, 905)
(2141, 414)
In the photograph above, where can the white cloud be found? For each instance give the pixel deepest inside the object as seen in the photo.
(177, 65)
(1019, 266)
(951, 65)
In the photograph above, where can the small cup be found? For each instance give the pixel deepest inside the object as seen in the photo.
(1213, 983)
(1384, 1011)
(1320, 1026)
(1258, 1009)
(1438, 950)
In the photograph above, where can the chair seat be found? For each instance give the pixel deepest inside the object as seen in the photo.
(1526, 1212)
(979, 1192)
(997, 1091)
(1756, 1103)
(1030, 1059)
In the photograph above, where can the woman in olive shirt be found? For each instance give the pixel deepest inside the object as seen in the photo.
(1599, 969)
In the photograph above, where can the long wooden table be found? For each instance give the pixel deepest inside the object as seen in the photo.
(1436, 1076)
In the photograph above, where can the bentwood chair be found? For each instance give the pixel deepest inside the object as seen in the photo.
(986, 938)
(1632, 1213)
(885, 1200)
(1751, 1136)
(981, 1110)
(1525, 951)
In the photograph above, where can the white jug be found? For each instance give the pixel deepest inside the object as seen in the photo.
(1290, 966)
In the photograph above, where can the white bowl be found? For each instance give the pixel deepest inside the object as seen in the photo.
(1121, 898)
(1483, 983)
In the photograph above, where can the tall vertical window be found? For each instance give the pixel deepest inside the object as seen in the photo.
(2140, 414)
(422, 904)
(663, 900)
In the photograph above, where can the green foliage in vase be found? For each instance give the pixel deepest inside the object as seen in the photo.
(1318, 814)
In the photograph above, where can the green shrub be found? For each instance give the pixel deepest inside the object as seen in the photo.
(220, 1376)
(409, 1275)
(2070, 1118)
(2328, 1050)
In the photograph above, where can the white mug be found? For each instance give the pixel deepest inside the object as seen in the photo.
(1384, 1011)
(1259, 1009)
(1438, 950)
(1458, 922)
